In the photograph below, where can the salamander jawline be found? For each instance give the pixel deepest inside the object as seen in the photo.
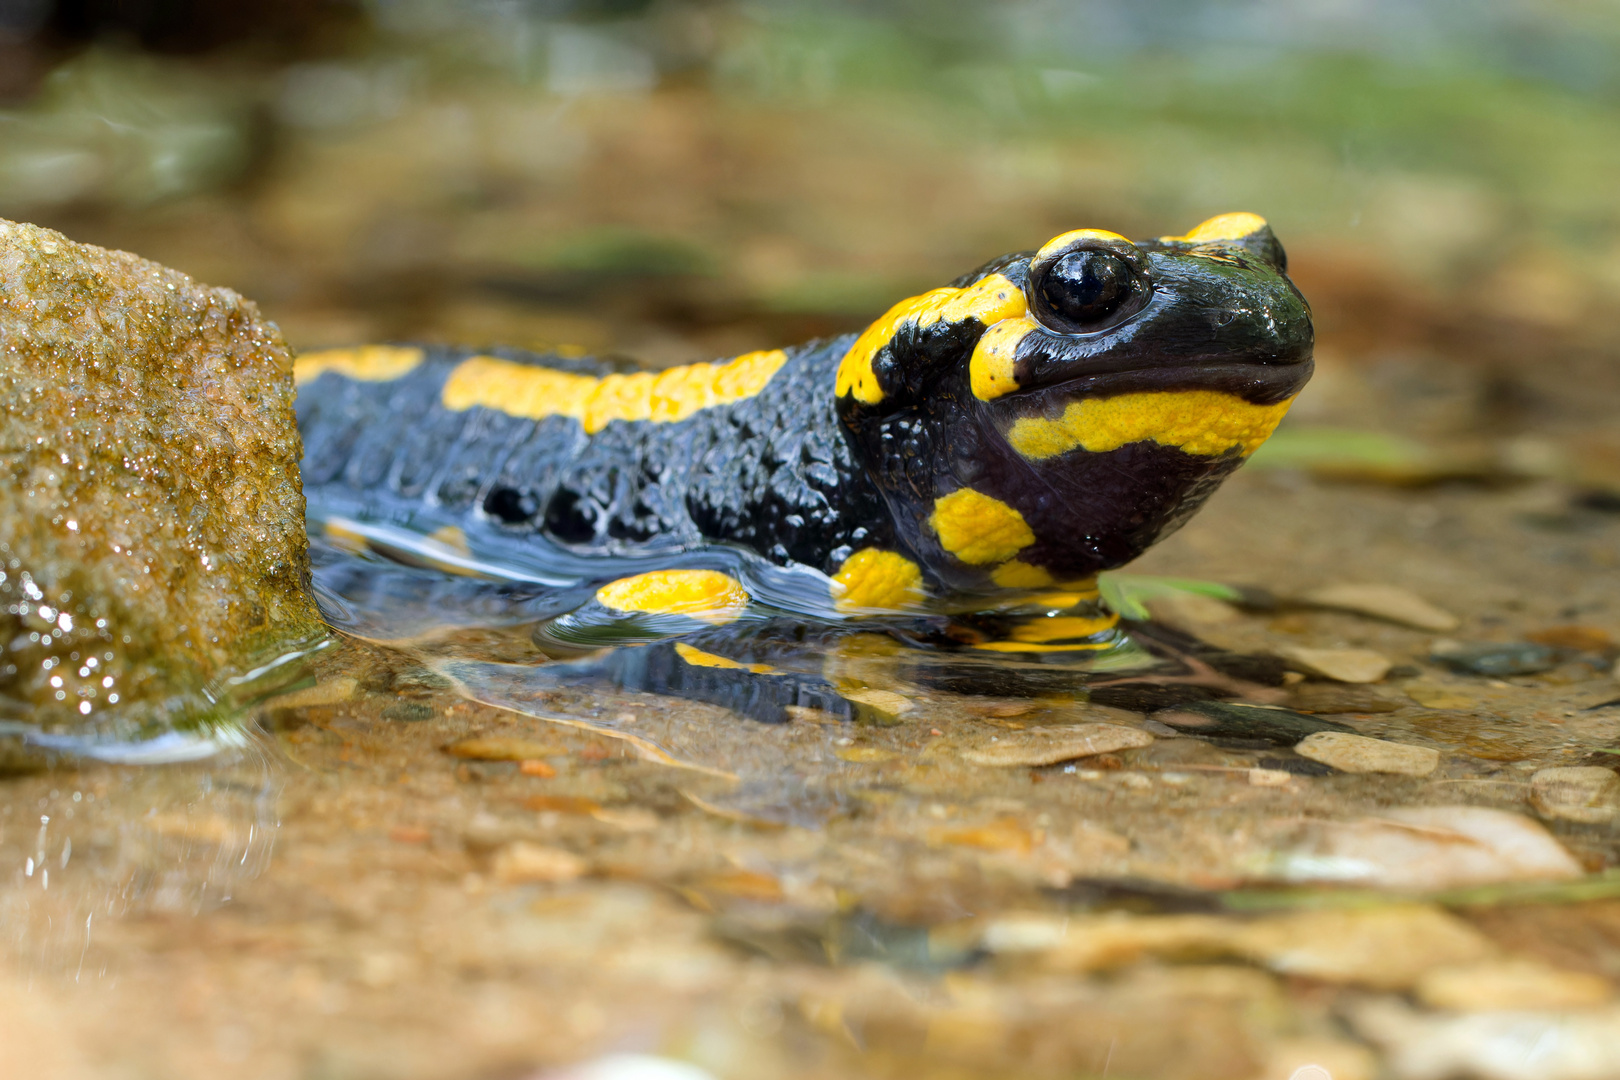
(1091, 419)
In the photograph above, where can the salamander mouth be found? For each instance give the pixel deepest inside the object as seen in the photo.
(1261, 381)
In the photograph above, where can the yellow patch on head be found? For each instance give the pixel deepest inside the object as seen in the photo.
(699, 658)
(1044, 631)
(706, 595)
(874, 579)
(979, 529)
(662, 397)
(1233, 226)
(1208, 423)
(989, 301)
(1074, 236)
(1021, 575)
(365, 363)
(990, 370)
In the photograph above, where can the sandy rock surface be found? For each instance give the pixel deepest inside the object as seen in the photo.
(151, 525)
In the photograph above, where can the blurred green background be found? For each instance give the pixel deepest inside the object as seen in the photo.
(681, 179)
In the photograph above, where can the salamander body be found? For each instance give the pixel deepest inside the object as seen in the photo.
(990, 445)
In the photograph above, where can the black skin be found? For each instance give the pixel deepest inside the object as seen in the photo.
(801, 476)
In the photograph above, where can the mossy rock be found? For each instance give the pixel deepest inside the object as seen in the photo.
(152, 538)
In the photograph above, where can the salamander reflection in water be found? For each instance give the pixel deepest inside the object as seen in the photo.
(955, 476)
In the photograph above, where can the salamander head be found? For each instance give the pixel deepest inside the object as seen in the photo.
(1056, 412)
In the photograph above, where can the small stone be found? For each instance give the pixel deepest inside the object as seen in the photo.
(1511, 985)
(1496, 659)
(1427, 848)
(1585, 793)
(1517, 1045)
(1387, 948)
(882, 708)
(502, 748)
(1228, 720)
(1050, 745)
(522, 861)
(1341, 665)
(1389, 602)
(1435, 696)
(1270, 777)
(1359, 754)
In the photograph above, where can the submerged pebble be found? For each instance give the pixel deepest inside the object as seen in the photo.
(1495, 659)
(1340, 665)
(1050, 745)
(522, 861)
(1389, 602)
(1507, 1045)
(1386, 948)
(1511, 985)
(1429, 847)
(1584, 793)
(1359, 754)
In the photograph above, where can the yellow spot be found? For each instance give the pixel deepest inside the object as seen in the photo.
(1204, 422)
(979, 529)
(1021, 575)
(1220, 227)
(707, 595)
(1063, 628)
(1074, 236)
(662, 397)
(367, 363)
(989, 301)
(699, 658)
(877, 579)
(990, 371)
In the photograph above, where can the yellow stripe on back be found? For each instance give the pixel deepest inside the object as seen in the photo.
(990, 301)
(661, 397)
(367, 363)
(1208, 423)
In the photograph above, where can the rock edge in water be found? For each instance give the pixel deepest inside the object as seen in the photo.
(151, 515)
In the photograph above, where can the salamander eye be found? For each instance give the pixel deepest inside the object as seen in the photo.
(1087, 289)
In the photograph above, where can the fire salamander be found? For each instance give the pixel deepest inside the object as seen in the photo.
(956, 475)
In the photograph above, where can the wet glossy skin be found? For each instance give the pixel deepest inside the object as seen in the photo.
(987, 446)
